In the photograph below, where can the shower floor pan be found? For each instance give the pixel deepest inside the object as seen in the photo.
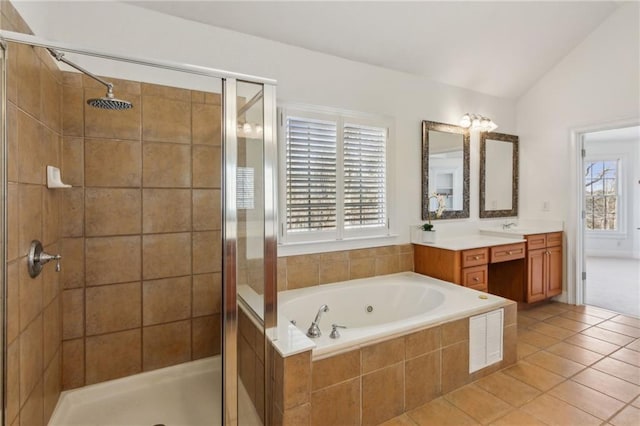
(185, 394)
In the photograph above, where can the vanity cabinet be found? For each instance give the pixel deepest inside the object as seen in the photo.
(544, 266)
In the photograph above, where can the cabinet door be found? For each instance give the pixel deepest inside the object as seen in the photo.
(554, 259)
(536, 275)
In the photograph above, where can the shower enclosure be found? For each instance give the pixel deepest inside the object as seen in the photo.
(167, 233)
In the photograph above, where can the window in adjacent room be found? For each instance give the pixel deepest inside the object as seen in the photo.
(602, 189)
(334, 169)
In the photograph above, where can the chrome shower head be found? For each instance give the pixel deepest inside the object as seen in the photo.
(109, 101)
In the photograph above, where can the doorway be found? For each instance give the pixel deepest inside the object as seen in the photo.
(611, 219)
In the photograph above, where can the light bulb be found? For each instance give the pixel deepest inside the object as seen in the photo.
(465, 121)
(475, 123)
(246, 128)
(258, 129)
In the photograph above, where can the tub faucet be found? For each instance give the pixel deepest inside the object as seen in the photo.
(314, 329)
(508, 225)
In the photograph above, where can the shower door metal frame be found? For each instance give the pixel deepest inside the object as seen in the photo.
(4, 182)
(229, 315)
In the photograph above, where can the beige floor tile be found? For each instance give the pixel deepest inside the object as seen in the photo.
(403, 420)
(587, 399)
(508, 389)
(518, 418)
(575, 353)
(592, 344)
(526, 321)
(533, 375)
(525, 349)
(556, 412)
(537, 339)
(596, 312)
(578, 316)
(627, 355)
(636, 402)
(627, 330)
(440, 412)
(635, 345)
(608, 336)
(607, 384)
(537, 314)
(620, 369)
(625, 319)
(630, 416)
(478, 403)
(555, 363)
(552, 331)
(567, 323)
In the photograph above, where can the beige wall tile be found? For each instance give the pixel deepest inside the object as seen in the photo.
(72, 252)
(113, 163)
(212, 98)
(72, 314)
(422, 379)
(168, 92)
(331, 272)
(166, 300)
(206, 123)
(166, 344)
(123, 88)
(510, 314)
(112, 260)
(297, 380)
(72, 111)
(12, 142)
(50, 278)
(51, 230)
(113, 355)
(30, 294)
(405, 262)
(387, 265)
(362, 268)
(31, 413)
(421, 342)
(112, 211)
(52, 386)
(207, 209)
(382, 354)
(30, 358)
(165, 120)
(124, 124)
(113, 308)
(13, 300)
(30, 216)
(13, 249)
(336, 369)
(298, 416)
(166, 165)
(207, 294)
(73, 161)
(207, 252)
(51, 99)
(455, 366)
(13, 381)
(166, 210)
(28, 71)
(52, 330)
(166, 255)
(382, 394)
(207, 165)
(72, 210)
(339, 404)
(302, 275)
(455, 331)
(72, 363)
(206, 336)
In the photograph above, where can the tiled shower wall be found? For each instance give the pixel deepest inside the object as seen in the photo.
(142, 240)
(34, 96)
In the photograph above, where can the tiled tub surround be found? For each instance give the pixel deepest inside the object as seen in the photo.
(374, 381)
(142, 241)
(33, 306)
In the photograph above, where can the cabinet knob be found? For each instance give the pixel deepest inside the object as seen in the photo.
(509, 252)
(476, 279)
(476, 257)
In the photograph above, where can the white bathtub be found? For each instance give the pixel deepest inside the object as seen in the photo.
(379, 308)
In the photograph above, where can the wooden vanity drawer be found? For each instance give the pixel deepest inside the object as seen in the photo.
(507, 252)
(475, 257)
(536, 241)
(476, 277)
(554, 239)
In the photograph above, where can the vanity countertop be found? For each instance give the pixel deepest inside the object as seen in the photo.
(472, 241)
(521, 230)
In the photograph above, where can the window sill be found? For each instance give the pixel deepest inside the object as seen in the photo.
(311, 247)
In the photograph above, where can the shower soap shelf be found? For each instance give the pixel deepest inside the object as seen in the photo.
(53, 178)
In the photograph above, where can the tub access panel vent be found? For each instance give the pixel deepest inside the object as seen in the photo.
(485, 339)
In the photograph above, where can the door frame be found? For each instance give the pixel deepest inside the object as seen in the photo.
(576, 267)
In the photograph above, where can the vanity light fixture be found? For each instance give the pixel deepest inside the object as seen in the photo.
(477, 122)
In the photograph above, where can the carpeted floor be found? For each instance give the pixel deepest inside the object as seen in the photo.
(614, 284)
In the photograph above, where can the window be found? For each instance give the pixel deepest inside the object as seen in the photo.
(601, 186)
(334, 175)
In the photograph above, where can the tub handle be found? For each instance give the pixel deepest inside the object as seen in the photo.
(334, 330)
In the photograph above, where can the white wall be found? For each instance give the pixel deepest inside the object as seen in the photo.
(303, 76)
(594, 85)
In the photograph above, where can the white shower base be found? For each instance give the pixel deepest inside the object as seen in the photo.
(185, 394)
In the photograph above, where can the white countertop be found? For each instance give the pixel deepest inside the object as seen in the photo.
(521, 230)
(472, 241)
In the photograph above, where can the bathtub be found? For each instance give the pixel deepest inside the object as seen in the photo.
(378, 308)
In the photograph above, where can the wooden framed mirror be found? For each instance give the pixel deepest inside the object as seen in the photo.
(498, 175)
(445, 170)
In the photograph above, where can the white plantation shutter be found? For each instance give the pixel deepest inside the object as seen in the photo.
(333, 175)
(311, 202)
(364, 176)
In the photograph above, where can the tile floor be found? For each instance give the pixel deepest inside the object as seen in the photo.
(577, 365)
